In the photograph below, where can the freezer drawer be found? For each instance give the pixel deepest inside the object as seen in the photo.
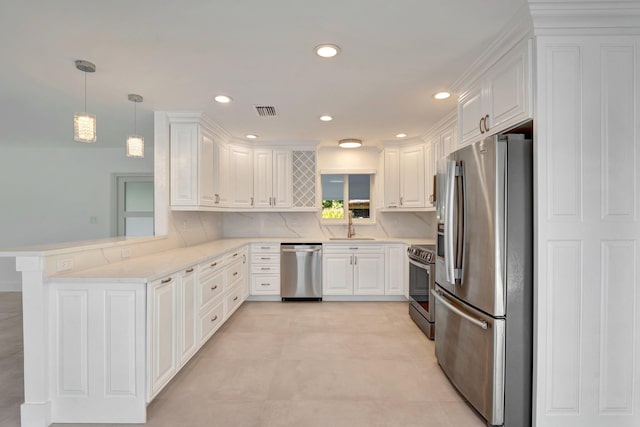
(470, 349)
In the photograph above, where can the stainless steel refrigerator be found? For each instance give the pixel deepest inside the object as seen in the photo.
(484, 276)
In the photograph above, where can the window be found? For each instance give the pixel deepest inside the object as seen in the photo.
(354, 188)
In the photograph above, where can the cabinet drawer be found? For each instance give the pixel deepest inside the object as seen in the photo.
(265, 258)
(210, 267)
(265, 268)
(232, 301)
(353, 248)
(211, 287)
(232, 256)
(265, 284)
(265, 248)
(233, 273)
(211, 321)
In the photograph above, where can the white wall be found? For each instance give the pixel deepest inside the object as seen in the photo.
(49, 194)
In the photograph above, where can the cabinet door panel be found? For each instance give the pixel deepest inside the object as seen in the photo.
(412, 177)
(395, 265)
(184, 167)
(368, 274)
(163, 334)
(470, 111)
(187, 341)
(337, 274)
(391, 178)
(262, 178)
(241, 177)
(206, 170)
(508, 91)
(282, 179)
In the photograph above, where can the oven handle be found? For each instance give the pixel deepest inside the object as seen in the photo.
(440, 297)
(417, 264)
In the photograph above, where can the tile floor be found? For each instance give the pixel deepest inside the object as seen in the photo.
(293, 364)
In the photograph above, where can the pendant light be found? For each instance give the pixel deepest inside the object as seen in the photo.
(135, 143)
(84, 124)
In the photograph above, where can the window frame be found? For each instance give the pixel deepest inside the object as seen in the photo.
(345, 194)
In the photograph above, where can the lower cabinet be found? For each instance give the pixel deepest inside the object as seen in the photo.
(396, 264)
(351, 270)
(186, 308)
(265, 268)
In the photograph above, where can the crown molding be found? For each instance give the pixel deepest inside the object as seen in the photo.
(580, 17)
(444, 123)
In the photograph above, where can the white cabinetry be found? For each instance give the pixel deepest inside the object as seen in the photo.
(240, 176)
(353, 270)
(404, 177)
(272, 180)
(396, 264)
(501, 98)
(187, 315)
(163, 333)
(197, 155)
(265, 269)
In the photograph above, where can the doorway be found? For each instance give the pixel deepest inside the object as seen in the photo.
(133, 205)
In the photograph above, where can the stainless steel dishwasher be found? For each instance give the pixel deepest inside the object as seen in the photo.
(301, 271)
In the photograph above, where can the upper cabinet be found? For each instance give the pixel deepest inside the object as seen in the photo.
(196, 156)
(272, 178)
(241, 176)
(404, 175)
(501, 99)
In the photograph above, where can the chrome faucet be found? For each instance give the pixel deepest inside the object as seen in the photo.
(350, 231)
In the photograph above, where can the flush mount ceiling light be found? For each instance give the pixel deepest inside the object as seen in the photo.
(326, 118)
(401, 135)
(223, 99)
(327, 50)
(350, 143)
(252, 136)
(135, 143)
(84, 124)
(441, 95)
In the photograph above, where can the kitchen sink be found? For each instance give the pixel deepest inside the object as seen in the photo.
(352, 238)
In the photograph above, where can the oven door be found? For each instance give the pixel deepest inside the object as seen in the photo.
(420, 284)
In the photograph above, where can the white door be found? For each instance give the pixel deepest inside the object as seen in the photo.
(133, 205)
(368, 278)
(391, 178)
(206, 181)
(337, 274)
(395, 264)
(470, 111)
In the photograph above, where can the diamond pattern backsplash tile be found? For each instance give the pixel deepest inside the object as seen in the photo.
(304, 179)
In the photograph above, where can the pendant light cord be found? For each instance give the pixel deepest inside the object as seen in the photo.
(85, 91)
(135, 121)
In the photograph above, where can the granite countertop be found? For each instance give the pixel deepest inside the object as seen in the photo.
(151, 267)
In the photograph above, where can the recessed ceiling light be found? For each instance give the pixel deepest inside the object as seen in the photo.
(441, 95)
(327, 50)
(223, 99)
(252, 136)
(350, 143)
(401, 135)
(326, 118)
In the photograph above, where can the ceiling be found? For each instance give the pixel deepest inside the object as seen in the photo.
(180, 54)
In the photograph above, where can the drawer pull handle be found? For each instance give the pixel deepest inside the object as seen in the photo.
(264, 284)
(214, 318)
(166, 280)
(214, 288)
(355, 249)
(235, 255)
(265, 268)
(235, 299)
(189, 270)
(235, 274)
(265, 258)
(265, 247)
(214, 264)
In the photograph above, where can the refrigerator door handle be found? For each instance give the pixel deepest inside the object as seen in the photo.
(440, 297)
(449, 249)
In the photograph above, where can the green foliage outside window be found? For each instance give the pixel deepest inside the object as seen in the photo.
(332, 209)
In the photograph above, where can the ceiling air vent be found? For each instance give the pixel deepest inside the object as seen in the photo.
(265, 110)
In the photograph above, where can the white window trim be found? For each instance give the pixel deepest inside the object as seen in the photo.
(345, 191)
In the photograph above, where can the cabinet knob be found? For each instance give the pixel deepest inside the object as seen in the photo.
(214, 264)
(235, 274)
(214, 288)
(235, 299)
(189, 270)
(167, 280)
(214, 318)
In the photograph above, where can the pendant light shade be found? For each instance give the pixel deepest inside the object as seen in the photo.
(135, 143)
(84, 124)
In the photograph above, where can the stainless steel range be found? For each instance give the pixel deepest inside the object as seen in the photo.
(422, 275)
